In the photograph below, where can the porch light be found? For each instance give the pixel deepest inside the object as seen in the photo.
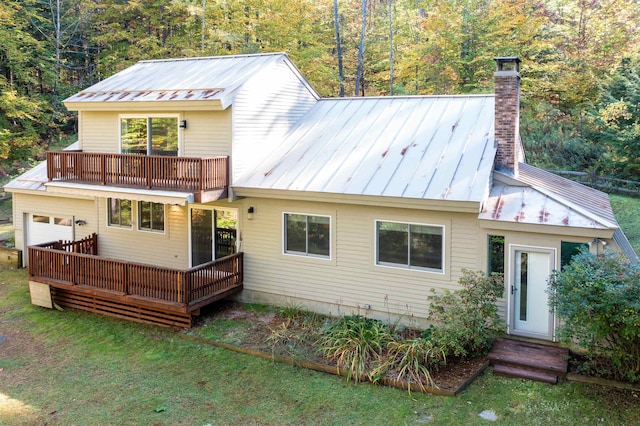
(183, 124)
(250, 212)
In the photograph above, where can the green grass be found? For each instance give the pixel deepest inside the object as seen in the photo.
(72, 367)
(627, 212)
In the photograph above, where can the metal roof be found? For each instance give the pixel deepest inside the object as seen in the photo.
(35, 178)
(423, 147)
(214, 78)
(535, 196)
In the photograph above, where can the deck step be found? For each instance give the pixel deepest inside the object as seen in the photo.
(539, 376)
(515, 358)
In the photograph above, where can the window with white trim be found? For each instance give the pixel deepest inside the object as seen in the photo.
(148, 135)
(410, 245)
(119, 212)
(150, 216)
(307, 235)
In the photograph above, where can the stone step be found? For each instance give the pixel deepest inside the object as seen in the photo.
(522, 373)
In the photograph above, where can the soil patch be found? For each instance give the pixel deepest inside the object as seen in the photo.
(290, 334)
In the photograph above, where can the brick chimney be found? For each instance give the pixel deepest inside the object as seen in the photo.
(507, 113)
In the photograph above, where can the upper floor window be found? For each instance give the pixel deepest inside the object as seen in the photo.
(307, 235)
(410, 245)
(119, 212)
(149, 135)
(150, 216)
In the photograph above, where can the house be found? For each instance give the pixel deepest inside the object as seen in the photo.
(348, 205)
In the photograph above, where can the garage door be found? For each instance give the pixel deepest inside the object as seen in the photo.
(43, 228)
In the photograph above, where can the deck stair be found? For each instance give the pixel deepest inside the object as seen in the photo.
(527, 360)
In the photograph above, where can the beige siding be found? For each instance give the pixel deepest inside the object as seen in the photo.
(168, 249)
(48, 205)
(99, 131)
(208, 133)
(263, 111)
(350, 281)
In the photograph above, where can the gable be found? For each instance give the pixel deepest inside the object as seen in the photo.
(185, 83)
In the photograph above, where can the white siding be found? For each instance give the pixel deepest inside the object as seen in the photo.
(265, 108)
(350, 280)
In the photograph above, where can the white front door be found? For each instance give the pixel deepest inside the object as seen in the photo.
(530, 312)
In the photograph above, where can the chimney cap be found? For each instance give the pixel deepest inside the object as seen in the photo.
(507, 63)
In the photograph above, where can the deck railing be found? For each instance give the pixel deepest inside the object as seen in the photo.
(148, 171)
(191, 287)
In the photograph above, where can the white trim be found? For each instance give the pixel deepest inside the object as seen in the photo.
(307, 255)
(165, 214)
(134, 194)
(441, 271)
(177, 116)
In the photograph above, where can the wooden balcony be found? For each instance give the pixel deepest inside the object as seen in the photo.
(80, 279)
(206, 178)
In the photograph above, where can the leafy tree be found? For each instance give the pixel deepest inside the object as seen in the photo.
(616, 121)
(597, 299)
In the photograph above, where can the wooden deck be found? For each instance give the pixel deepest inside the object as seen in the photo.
(206, 178)
(527, 360)
(139, 292)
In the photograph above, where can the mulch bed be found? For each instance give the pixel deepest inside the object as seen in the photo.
(269, 332)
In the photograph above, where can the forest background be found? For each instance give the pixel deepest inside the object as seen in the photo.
(580, 61)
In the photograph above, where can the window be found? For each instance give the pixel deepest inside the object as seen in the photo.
(150, 216)
(307, 235)
(149, 135)
(410, 245)
(119, 212)
(496, 254)
(568, 250)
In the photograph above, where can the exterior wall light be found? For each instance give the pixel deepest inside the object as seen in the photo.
(250, 212)
(183, 124)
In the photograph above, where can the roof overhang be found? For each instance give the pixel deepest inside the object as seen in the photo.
(357, 199)
(546, 229)
(183, 105)
(154, 196)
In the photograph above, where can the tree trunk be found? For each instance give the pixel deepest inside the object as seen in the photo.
(339, 46)
(391, 47)
(360, 72)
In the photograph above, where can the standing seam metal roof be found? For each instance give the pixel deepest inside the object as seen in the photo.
(424, 147)
(205, 79)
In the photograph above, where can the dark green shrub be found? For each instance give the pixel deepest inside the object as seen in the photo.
(467, 320)
(597, 299)
(356, 344)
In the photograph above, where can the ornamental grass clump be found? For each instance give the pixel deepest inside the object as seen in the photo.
(467, 320)
(597, 300)
(356, 344)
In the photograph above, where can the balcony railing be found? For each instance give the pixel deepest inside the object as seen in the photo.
(146, 171)
(66, 265)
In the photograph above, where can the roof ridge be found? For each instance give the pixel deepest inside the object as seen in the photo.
(204, 58)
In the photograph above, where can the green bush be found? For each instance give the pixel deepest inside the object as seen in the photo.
(356, 343)
(411, 360)
(597, 299)
(467, 319)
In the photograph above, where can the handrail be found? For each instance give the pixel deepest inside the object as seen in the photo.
(129, 278)
(148, 171)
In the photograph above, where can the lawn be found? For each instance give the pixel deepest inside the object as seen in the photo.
(627, 211)
(72, 367)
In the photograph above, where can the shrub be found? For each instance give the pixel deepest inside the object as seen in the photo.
(412, 361)
(597, 299)
(467, 319)
(356, 343)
